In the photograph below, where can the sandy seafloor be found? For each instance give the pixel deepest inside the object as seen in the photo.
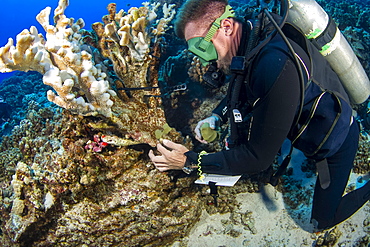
(275, 224)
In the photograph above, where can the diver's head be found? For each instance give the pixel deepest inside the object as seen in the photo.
(203, 12)
(210, 30)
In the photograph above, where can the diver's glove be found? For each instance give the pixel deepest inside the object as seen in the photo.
(208, 130)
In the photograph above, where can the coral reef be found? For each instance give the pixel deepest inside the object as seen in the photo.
(329, 238)
(20, 91)
(362, 164)
(359, 40)
(80, 197)
(355, 14)
(353, 19)
(52, 180)
(126, 40)
(69, 175)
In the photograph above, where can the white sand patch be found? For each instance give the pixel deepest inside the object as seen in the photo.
(268, 221)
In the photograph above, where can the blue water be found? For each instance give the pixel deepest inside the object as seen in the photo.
(19, 15)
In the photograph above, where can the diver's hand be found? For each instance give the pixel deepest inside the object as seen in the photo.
(213, 121)
(172, 157)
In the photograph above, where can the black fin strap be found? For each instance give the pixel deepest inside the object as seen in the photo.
(275, 177)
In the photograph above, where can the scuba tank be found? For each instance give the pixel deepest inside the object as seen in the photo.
(318, 27)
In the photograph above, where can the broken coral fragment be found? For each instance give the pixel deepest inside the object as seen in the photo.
(117, 141)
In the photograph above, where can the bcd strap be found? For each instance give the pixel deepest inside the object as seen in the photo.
(322, 166)
(310, 117)
(236, 83)
(326, 36)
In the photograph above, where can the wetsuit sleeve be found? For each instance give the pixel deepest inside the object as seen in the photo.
(272, 119)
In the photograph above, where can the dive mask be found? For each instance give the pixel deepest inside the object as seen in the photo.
(203, 47)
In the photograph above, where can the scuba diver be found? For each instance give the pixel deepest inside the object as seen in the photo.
(280, 87)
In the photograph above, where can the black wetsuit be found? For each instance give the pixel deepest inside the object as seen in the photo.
(275, 83)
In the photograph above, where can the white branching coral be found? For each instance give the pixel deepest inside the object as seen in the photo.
(133, 27)
(79, 85)
(162, 25)
(131, 39)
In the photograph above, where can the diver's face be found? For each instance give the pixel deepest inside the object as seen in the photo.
(192, 31)
(200, 46)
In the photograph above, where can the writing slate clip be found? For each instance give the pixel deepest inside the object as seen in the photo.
(214, 192)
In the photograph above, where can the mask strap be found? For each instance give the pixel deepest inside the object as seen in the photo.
(229, 12)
